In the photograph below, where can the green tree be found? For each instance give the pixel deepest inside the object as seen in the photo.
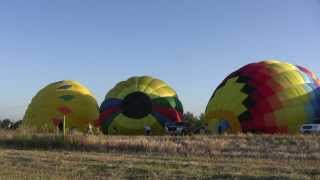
(195, 122)
(201, 117)
(17, 124)
(189, 117)
(6, 124)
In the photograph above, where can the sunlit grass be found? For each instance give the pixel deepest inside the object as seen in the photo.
(83, 156)
(273, 146)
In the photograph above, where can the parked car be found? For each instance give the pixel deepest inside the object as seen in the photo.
(310, 128)
(176, 129)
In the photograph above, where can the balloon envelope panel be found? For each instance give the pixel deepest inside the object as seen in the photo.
(265, 97)
(139, 102)
(59, 99)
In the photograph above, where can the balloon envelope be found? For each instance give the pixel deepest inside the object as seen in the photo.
(61, 99)
(137, 103)
(265, 97)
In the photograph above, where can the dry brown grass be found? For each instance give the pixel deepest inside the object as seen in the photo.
(81, 156)
(256, 146)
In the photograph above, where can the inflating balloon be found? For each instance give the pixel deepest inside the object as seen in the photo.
(59, 100)
(265, 97)
(137, 103)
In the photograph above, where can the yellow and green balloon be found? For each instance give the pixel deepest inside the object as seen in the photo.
(61, 99)
(138, 102)
(265, 97)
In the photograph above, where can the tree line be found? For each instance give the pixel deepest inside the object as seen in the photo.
(195, 122)
(9, 124)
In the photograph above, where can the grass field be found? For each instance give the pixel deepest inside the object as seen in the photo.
(25, 156)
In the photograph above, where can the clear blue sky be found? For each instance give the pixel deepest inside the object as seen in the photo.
(191, 44)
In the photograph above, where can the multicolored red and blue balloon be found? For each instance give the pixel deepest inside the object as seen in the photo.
(265, 97)
(139, 102)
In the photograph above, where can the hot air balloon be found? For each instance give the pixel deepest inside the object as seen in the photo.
(137, 103)
(265, 97)
(59, 100)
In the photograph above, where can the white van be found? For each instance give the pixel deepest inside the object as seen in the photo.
(310, 128)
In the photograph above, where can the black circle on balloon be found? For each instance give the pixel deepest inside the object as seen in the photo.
(136, 105)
